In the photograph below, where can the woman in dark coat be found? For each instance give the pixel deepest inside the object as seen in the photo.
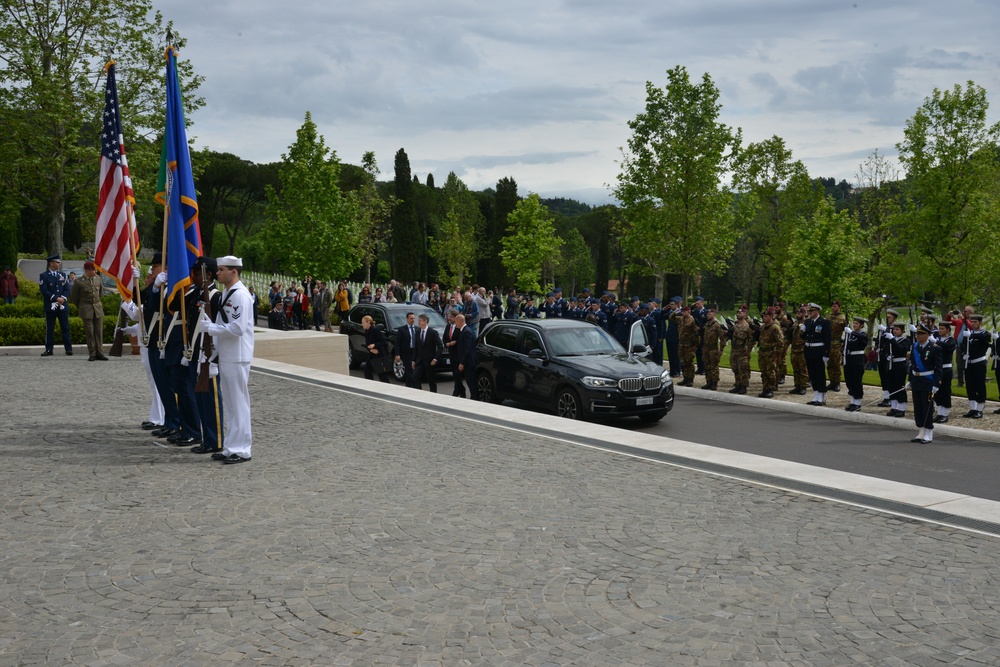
(377, 348)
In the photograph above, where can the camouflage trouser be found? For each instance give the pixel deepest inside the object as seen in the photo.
(800, 370)
(687, 360)
(833, 367)
(782, 364)
(768, 371)
(711, 359)
(740, 364)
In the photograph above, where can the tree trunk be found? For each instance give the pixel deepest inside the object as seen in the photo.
(658, 290)
(57, 218)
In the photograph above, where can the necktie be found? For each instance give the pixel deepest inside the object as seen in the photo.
(423, 335)
(413, 340)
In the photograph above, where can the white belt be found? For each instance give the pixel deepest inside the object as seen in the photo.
(923, 374)
(857, 352)
(976, 361)
(814, 344)
(946, 366)
(899, 359)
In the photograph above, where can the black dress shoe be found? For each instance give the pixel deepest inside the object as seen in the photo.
(891, 413)
(92, 358)
(47, 353)
(813, 403)
(798, 392)
(978, 414)
(184, 442)
(917, 439)
(884, 404)
(150, 426)
(69, 353)
(204, 449)
(940, 419)
(219, 456)
(101, 357)
(834, 386)
(165, 432)
(735, 390)
(971, 414)
(925, 441)
(997, 411)
(235, 458)
(766, 394)
(743, 390)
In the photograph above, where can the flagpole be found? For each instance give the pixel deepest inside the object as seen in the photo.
(136, 291)
(161, 342)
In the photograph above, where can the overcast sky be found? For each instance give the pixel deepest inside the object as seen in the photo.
(542, 91)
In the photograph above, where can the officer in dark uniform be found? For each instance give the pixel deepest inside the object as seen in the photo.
(571, 309)
(621, 324)
(596, 315)
(925, 379)
(178, 359)
(55, 300)
(854, 362)
(975, 344)
(882, 347)
(816, 335)
(559, 303)
(670, 334)
(209, 402)
(700, 315)
(530, 311)
(157, 364)
(943, 396)
(899, 348)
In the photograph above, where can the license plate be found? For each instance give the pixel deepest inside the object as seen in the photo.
(644, 400)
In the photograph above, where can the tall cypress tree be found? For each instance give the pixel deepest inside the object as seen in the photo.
(408, 241)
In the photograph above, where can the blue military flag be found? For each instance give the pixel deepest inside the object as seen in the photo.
(175, 190)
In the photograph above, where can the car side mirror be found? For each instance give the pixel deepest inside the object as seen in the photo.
(640, 350)
(536, 354)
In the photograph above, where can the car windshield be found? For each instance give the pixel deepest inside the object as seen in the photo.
(582, 341)
(397, 317)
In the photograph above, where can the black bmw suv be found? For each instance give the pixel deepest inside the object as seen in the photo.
(389, 317)
(575, 368)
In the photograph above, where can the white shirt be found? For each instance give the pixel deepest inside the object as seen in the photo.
(234, 339)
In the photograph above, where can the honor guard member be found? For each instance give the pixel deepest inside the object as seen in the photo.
(658, 314)
(797, 345)
(155, 420)
(621, 323)
(670, 336)
(571, 309)
(838, 324)
(560, 303)
(649, 327)
(883, 346)
(739, 352)
(853, 359)
(816, 335)
(55, 300)
(700, 315)
(232, 334)
(768, 353)
(530, 310)
(688, 340)
(548, 305)
(156, 345)
(713, 340)
(596, 314)
(975, 343)
(899, 348)
(178, 360)
(925, 379)
(943, 396)
(210, 401)
(608, 305)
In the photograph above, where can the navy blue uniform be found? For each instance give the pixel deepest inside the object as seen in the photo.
(53, 285)
(817, 347)
(943, 396)
(925, 377)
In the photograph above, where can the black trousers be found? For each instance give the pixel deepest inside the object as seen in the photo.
(943, 396)
(469, 374)
(897, 382)
(182, 382)
(975, 381)
(817, 373)
(425, 371)
(51, 316)
(854, 374)
(923, 408)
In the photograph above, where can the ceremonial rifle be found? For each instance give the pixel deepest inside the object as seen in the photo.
(116, 346)
(204, 379)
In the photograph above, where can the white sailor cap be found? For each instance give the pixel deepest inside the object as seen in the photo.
(229, 261)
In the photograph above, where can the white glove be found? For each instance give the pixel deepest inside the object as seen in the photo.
(135, 272)
(161, 279)
(913, 328)
(826, 360)
(995, 335)
(965, 357)
(131, 310)
(132, 330)
(881, 328)
(933, 390)
(185, 362)
(213, 370)
(204, 319)
(802, 327)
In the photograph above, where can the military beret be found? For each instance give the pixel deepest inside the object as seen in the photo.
(713, 309)
(836, 302)
(769, 312)
(89, 266)
(686, 308)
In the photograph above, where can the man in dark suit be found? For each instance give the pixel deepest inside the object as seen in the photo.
(468, 357)
(406, 347)
(450, 342)
(55, 301)
(429, 348)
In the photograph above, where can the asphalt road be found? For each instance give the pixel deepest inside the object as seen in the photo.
(949, 464)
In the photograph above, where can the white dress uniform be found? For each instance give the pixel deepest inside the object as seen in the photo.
(156, 412)
(232, 334)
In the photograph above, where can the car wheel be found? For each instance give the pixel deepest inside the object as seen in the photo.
(568, 404)
(352, 359)
(399, 370)
(487, 388)
(653, 416)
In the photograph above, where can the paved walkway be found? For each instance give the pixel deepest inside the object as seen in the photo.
(366, 532)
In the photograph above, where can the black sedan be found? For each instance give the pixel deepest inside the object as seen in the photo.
(574, 368)
(389, 317)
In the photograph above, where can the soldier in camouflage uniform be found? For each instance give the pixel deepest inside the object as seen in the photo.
(801, 373)
(688, 336)
(785, 322)
(713, 340)
(739, 352)
(838, 322)
(768, 353)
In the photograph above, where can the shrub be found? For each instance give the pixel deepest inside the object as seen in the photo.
(31, 331)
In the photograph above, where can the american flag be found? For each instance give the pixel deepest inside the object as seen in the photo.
(117, 235)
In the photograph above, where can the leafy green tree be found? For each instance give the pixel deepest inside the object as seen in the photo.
(408, 241)
(827, 260)
(51, 100)
(529, 242)
(679, 215)
(576, 265)
(232, 196)
(313, 227)
(950, 156)
(454, 245)
(374, 212)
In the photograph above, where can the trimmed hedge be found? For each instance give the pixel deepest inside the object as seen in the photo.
(31, 331)
(24, 308)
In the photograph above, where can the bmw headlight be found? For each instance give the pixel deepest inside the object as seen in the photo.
(665, 378)
(599, 383)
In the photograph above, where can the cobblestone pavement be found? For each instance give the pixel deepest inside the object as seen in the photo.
(365, 533)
